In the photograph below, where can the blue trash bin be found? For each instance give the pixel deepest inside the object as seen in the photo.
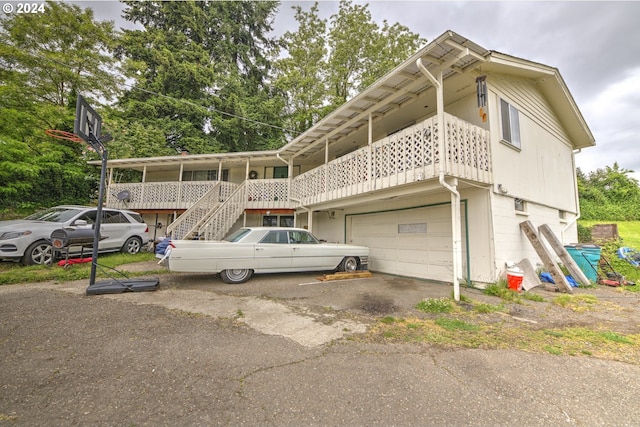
(587, 257)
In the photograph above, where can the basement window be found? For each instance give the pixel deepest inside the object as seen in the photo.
(510, 124)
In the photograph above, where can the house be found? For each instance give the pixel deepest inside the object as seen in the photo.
(433, 167)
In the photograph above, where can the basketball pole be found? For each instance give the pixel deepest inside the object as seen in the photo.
(100, 148)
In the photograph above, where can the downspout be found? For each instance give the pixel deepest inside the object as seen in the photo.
(575, 189)
(456, 227)
(309, 214)
(456, 230)
(290, 177)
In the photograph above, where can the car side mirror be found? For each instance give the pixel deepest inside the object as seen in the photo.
(80, 223)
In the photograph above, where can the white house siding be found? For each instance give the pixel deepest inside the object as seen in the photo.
(541, 171)
(511, 244)
(480, 233)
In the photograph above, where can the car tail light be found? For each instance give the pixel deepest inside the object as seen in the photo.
(146, 229)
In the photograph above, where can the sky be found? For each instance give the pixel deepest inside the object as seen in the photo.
(594, 44)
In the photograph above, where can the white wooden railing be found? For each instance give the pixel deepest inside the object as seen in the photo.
(267, 194)
(172, 195)
(410, 155)
(220, 220)
(190, 221)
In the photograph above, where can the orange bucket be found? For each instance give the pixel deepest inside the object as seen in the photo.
(514, 280)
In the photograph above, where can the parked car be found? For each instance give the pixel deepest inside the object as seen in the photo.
(28, 240)
(263, 250)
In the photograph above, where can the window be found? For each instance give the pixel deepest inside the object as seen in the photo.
(301, 237)
(510, 123)
(277, 220)
(275, 237)
(281, 172)
(205, 175)
(114, 217)
(520, 205)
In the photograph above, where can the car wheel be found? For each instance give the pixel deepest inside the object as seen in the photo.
(38, 253)
(236, 275)
(349, 264)
(132, 245)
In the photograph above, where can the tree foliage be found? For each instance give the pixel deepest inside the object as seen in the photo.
(199, 71)
(609, 194)
(330, 61)
(46, 59)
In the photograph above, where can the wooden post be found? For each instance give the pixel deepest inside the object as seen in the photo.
(547, 260)
(566, 259)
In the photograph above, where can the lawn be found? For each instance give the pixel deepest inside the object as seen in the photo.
(12, 273)
(629, 232)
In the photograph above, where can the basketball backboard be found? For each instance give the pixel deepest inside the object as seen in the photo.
(87, 122)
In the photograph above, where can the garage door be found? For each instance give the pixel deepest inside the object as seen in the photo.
(410, 242)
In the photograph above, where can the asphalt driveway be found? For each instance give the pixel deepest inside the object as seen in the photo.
(275, 351)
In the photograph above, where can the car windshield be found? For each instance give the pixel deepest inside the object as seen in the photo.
(237, 235)
(56, 214)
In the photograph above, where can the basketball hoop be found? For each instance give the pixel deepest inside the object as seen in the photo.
(61, 134)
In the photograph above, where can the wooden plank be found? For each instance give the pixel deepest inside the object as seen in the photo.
(566, 259)
(342, 275)
(545, 256)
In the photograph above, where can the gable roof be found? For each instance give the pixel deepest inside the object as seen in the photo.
(451, 53)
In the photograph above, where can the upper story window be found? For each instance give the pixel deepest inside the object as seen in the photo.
(205, 175)
(510, 123)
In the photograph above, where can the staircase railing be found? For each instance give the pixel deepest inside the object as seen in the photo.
(218, 223)
(194, 217)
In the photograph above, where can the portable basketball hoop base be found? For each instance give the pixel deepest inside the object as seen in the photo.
(87, 129)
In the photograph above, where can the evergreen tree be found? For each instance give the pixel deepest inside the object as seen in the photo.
(200, 75)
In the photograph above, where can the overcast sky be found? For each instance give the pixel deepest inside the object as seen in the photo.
(595, 45)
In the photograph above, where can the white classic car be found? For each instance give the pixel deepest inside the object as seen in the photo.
(263, 250)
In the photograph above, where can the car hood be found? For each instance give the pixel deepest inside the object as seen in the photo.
(21, 224)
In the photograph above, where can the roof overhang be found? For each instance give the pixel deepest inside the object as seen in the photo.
(450, 53)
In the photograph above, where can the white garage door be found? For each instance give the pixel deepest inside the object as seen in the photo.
(410, 242)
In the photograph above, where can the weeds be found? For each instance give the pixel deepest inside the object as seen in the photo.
(435, 305)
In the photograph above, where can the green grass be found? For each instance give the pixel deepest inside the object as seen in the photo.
(13, 273)
(435, 305)
(629, 231)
